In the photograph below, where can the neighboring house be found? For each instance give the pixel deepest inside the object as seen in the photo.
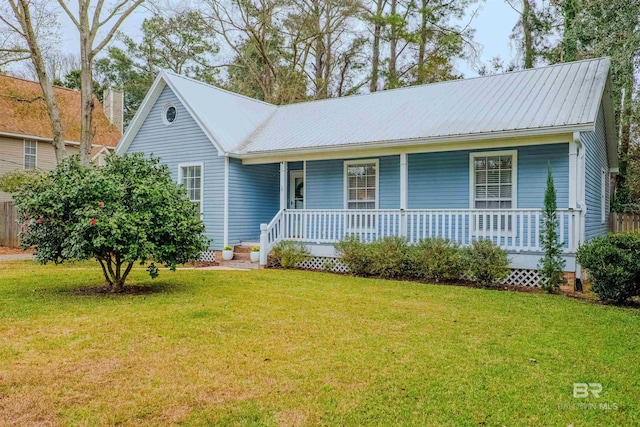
(25, 128)
(464, 160)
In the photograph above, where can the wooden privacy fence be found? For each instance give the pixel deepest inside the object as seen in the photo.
(9, 228)
(623, 222)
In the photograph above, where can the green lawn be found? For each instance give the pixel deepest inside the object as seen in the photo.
(300, 348)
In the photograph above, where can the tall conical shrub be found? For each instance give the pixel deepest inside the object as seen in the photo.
(552, 264)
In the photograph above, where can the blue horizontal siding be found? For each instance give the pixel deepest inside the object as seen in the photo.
(325, 183)
(254, 198)
(184, 142)
(533, 163)
(441, 180)
(595, 147)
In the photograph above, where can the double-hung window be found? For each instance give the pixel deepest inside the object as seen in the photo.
(493, 187)
(361, 193)
(361, 184)
(30, 154)
(191, 178)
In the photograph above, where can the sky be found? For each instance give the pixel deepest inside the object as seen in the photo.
(493, 24)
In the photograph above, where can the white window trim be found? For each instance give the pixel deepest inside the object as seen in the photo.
(24, 147)
(164, 113)
(604, 181)
(348, 163)
(514, 175)
(186, 165)
(514, 186)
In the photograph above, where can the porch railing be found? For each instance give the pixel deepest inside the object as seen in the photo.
(513, 229)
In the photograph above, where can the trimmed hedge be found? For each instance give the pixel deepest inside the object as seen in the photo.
(486, 263)
(434, 259)
(290, 254)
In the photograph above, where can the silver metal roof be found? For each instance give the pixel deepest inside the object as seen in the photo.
(551, 97)
(559, 98)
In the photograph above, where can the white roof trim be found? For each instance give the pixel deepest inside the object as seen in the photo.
(156, 89)
(42, 138)
(422, 141)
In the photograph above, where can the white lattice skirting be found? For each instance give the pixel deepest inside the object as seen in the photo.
(208, 256)
(517, 277)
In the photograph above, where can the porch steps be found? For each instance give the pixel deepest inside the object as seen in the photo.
(241, 259)
(239, 264)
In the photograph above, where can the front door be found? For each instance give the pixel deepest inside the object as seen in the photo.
(296, 201)
(296, 190)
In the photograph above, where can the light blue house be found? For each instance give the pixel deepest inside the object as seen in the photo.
(463, 160)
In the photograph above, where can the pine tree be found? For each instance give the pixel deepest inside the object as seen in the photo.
(551, 265)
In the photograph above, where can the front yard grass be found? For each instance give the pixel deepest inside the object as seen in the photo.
(299, 348)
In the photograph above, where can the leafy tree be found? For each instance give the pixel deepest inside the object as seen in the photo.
(118, 70)
(129, 210)
(182, 43)
(551, 265)
(71, 80)
(96, 22)
(26, 25)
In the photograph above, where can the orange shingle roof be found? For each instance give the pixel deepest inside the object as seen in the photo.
(25, 112)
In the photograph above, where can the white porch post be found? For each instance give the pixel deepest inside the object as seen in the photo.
(573, 175)
(283, 185)
(226, 202)
(263, 245)
(404, 193)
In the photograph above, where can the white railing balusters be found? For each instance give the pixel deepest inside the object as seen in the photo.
(513, 229)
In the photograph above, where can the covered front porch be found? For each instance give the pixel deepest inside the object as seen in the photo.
(460, 195)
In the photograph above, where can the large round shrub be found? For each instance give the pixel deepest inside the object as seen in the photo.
(613, 264)
(129, 210)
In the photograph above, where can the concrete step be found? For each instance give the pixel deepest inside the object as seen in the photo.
(240, 264)
(241, 256)
(241, 249)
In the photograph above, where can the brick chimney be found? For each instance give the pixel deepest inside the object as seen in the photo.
(113, 105)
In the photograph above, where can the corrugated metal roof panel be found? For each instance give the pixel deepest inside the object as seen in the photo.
(560, 95)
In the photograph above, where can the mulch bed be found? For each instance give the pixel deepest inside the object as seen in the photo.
(5, 250)
(127, 290)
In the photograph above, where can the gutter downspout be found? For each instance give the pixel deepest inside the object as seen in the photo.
(580, 201)
(226, 201)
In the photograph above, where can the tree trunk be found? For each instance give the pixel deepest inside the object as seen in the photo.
(423, 44)
(86, 96)
(393, 50)
(115, 278)
(23, 15)
(328, 47)
(526, 30)
(569, 37)
(375, 56)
